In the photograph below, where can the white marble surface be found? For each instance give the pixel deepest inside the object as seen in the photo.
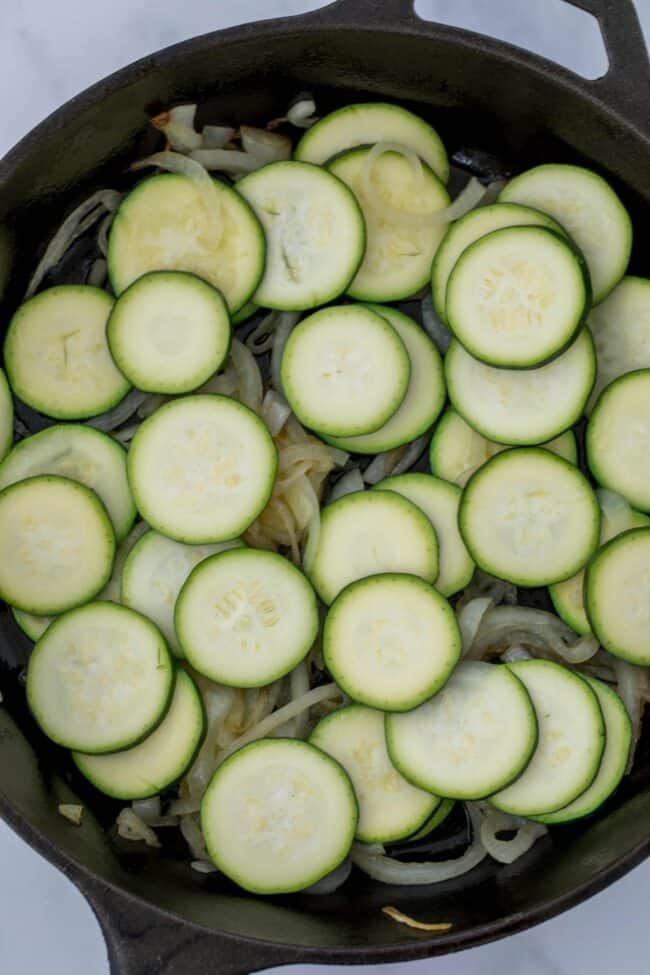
(51, 49)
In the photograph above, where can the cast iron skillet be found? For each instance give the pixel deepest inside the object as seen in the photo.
(498, 110)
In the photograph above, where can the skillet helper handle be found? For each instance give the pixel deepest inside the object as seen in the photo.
(140, 942)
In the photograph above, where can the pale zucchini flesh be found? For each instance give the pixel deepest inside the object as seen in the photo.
(618, 740)
(516, 297)
(82, 454)
(345, 371)
(472, 738)
(425, 395)
(390, 641)
(6, 416)
(278, 815)
(530, 517)
(315, 234)
(161, 759)
(617, 596)
(618, 435)
(620, 326)
(366, 533)
(169, 332)
(32, 626)
(57, 357)
(437, 819)
(439, 500)
(522, 406)
(165, 224)
(457, 451)
(99, 679)
(154, 573)
(56, 545)
(246, 617)
(202, 468)
(468, 229)
(390, 808)
(399, 204)
(367, 123)
(588, 209)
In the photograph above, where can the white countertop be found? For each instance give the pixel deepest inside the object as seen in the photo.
(51, 49)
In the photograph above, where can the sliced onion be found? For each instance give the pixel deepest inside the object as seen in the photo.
(231, 161)
(499, 590)
(77, 223)
(299, 684)
(72, 812)
(396, 915)
(373, 861)
(434, 327)
(411, 454)
(348, 484)
(131, 827)
(193, 836)
(469, 619)
(633, 688)
(491, 193)
(120, 413)
(287, 322)
(535, 629)
(526, 833)
(375, 201)
(394, 461)
(102, 233)
(275, 411)
(97, 274)
(177, 125)
(147, 809)
(514, 654)
(251, 388)
(331, 881)
(302, 113)
(126, 434)
(265, 146)
(203, 866)
(260, 339)
(183, 807)
(216, 136)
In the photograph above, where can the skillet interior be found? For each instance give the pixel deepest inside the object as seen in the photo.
(496, 116)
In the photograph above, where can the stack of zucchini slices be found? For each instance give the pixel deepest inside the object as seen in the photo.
(543, 328)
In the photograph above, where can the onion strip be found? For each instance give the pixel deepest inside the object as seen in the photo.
(396, 915)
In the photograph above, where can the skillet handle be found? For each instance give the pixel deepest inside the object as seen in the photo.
(142, 941)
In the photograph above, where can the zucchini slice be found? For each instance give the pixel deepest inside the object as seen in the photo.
(367, 533)
(529, 517)
(391, 641)
(437, 819)
(390, 808)
(202, 468)
(32, 626)
(474, 737)
(246, 617)
(164, 224)
(161, 759)
(99, 679)
(6, 416)
(571, 740)
(345, 371)
(621, 330)
(315, 234)
(56, 545)
(278, 815)
(57, 357)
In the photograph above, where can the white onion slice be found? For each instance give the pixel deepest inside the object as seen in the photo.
(469, 619)
(275, 411)
(216, 136)
(287, 320)
(526, 833)
(251, 388)
(177, 125)
(434, 327)
(331, 881)
(131, 827)
(265, 146)
(350, 482)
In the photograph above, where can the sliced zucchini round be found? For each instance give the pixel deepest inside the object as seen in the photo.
(246, 617)
(99, 679)
(522, 406)
(367, 533)
(588, 208)
(367, 123)
(390, 641)
(474, 737)
(278, 815)
(166, 224)
(529, 517)
(517, 296)
(570, 744)
(161, 759)
(82, 454)
(169, 332)
(425, 395)
(315, 234)
(390, 808)
(345, 371)
(6, 416)
(617, 596)
(475, 224)
(439, 501)
(437, 819)
(154, 573)
(399, 203)
(245, 312)
(56, 545)
(618, 740)
(621, 331)
(618, 434)
(32, 626)
(456, 450)
(57, 357)
(202, 468)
